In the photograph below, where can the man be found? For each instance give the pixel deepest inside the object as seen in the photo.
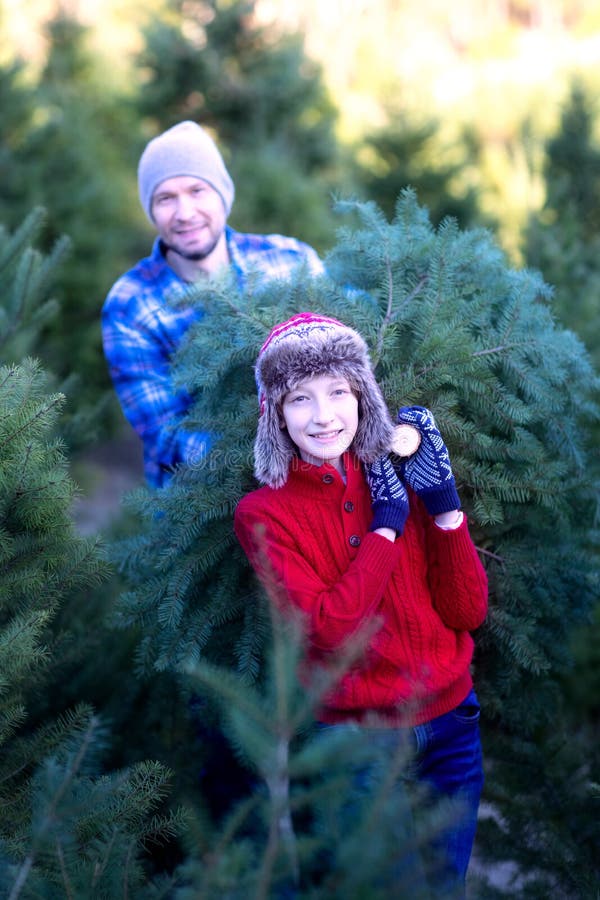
(187, 193)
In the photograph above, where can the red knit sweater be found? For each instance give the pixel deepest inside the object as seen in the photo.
(422, 593)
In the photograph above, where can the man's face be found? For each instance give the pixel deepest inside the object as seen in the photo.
(189, 216)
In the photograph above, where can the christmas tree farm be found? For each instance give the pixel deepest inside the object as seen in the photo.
(453, 327)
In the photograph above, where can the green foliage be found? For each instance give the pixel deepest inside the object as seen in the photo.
(41, 555)
(408, 153)
(59, 822)
(18, 106)
(66, 149)
(563, 241)
(298, 831)
(63, 825)
(83, 836)
(42, 558)
(547, 790)
(453, 327)
(450, 326)
(67, 828)
(571, 165)
(26, 275)
(28, 311)
(211, 62)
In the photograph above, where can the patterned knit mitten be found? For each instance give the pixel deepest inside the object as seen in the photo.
(388, 494)
(428, 471)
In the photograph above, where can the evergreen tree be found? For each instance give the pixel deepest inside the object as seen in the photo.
(67, 827)
(563, 240)
(66, 147)
(18, 106)
(294, 833)
(408, 153)
(27, 276)
(265, 99)
(452, 327)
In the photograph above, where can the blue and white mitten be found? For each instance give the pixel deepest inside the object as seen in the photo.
(388, 495)
(428, 471)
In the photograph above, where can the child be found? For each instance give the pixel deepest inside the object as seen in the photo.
(352, 541)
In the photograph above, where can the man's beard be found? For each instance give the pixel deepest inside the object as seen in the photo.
(193, 255)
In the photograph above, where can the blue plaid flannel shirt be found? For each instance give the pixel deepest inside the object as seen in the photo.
(140, 333)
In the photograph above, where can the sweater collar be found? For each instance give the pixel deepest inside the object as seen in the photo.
(310, 478)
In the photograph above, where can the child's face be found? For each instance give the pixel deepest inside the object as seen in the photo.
(321, 416)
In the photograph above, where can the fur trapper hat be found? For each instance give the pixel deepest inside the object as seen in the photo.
(305, 346)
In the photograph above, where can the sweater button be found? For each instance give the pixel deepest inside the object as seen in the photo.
(354, 540)
(349, 506)
(328, 478)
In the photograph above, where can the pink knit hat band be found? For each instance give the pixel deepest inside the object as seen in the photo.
(304, 326)
(299, 325)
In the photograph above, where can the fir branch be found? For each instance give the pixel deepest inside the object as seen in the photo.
(227, 687)
(212, 858)
(389, 284)
(45, 740)
(40, 415)
(63, 871)
(503, 348)
(490, 554)
(281, 829)
(47, 821)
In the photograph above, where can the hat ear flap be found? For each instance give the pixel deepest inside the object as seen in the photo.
(375, 429)
(273, 448)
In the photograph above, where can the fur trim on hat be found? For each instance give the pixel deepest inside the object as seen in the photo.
(304, 347)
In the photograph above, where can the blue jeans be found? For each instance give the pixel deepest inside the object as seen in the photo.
(449, 761)
(445, 763)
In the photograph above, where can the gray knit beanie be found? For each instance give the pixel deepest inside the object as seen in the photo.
(184, 149)
(306, 345)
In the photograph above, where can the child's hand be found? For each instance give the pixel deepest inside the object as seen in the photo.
(388, 494)
(428, 471)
